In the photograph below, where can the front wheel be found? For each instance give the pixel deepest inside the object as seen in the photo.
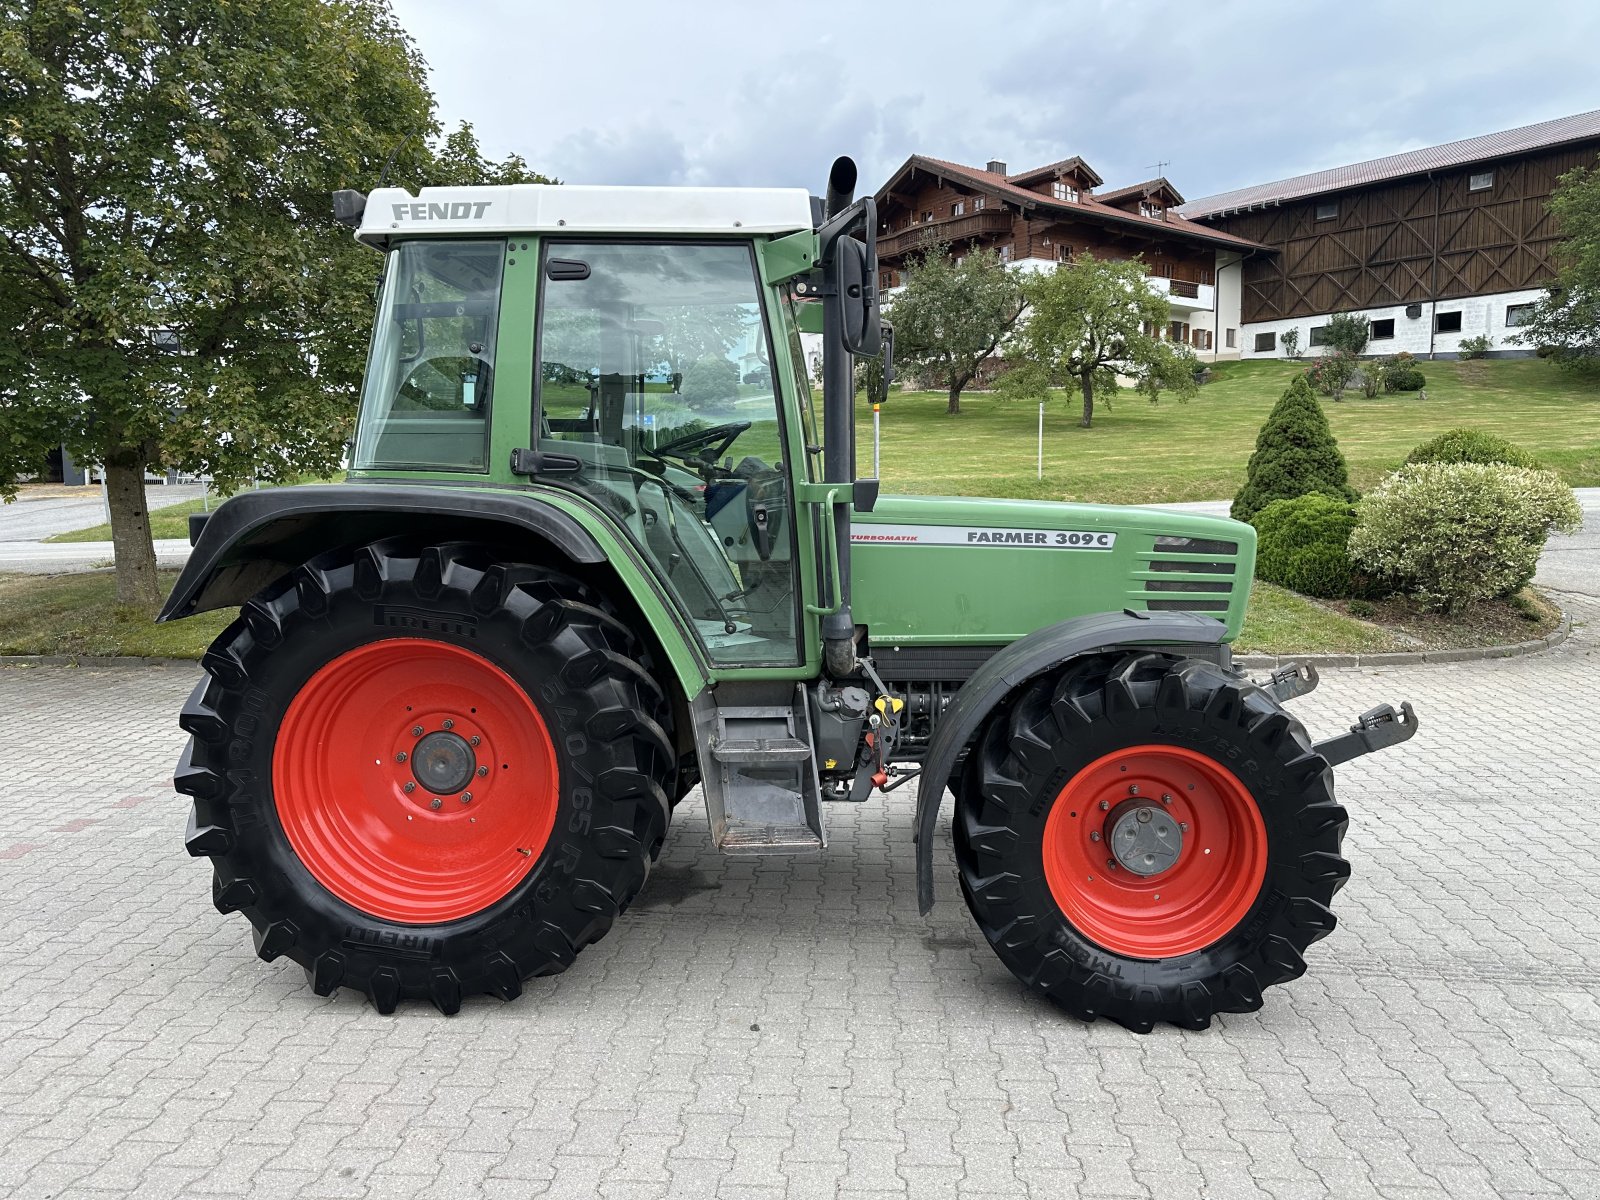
(1149, 839)
(423, 774)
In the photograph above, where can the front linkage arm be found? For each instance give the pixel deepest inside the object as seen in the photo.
(1376, 729)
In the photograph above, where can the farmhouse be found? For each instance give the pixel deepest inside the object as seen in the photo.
(1047, 215)
(1433, 246)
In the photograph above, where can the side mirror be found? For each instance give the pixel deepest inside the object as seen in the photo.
(858, 294)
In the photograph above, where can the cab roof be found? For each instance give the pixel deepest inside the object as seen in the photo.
(566, 208)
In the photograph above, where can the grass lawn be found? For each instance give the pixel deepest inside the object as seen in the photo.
(79, 614)
(1144, 453)
(1279, 621)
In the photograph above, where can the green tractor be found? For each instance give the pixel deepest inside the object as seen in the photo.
(594, 551)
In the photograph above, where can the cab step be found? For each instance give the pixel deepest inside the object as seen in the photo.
(759, 770)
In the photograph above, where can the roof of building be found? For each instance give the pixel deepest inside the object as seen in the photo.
(575, 208)
(1582, 127)
(1067, 166)
(1084, 206)
(1148, 188)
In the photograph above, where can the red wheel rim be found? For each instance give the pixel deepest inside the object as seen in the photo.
(347, 748)
(1206, 891)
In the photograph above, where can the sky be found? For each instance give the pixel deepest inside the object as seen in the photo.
(1225, 93)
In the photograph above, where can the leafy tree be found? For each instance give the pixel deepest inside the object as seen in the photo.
(952, 316)
(711, 382)
(1295, 454)
(1347, 333)
(1093, 320)
(1567, 316)
(180, 293)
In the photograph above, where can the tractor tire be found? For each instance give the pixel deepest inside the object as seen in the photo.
(1149, 839)
(424, 774)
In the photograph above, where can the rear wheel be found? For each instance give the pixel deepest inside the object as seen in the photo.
(423, 774)
(1149, 839)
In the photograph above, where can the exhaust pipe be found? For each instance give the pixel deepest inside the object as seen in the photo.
(841, 185)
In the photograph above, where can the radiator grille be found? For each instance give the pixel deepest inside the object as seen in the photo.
(1207, 595)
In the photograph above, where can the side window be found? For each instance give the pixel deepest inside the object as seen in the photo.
(430, 376)
(655, 378)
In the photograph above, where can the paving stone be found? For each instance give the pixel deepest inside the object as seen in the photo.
(1444, 1043)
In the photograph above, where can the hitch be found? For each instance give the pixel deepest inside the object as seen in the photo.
(1377, 729)
(1291, 681)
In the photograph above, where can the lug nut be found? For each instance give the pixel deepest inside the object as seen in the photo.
(1166, 799)
(449, 724)
(401, 757)
(410, 787)
(474, 740)
(1094, 836)
(1183, 825)
(416, 731)
(482, 771)
(1111, 864)
(436, 804)
(1133, 789)
(1104, 804)
(466, 797)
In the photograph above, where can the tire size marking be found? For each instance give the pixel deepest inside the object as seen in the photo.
(981, 535)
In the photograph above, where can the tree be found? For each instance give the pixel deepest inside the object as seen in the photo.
(1296, 454)
(181, 295)
(1567, 317)
(1347, 333)
(951, 316)
(1291, 342)
(1094, 320)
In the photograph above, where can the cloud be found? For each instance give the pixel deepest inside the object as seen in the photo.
(1229, 93)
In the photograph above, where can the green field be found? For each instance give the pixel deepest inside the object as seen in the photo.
(1143, 453)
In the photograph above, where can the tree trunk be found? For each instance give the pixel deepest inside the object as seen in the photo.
(1086, 381)
(954, 407)
(132, 548)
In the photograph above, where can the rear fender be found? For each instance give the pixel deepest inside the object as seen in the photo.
(257, 537)
(1024, 660)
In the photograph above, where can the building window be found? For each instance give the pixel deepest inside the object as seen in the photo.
(1007, 252)
(1178, 331)
(1232, 338)
(1201, 339)
(1062, 190)
(1480, 181)
(1378, 331)
(886, 279)
(1266, 343)
(1327, 212)
(927, 217)
(979, 202)
(959, 208)
(1148, 208)
(1319, 335)
(1063, 252)
(1447, 322)
(1518, 314)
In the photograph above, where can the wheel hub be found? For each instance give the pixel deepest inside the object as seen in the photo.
(443, 762)
(1145, 839)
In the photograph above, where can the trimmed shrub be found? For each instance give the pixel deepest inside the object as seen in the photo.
(1476, 347)
(1295, 454)
(1301, 545)
(711, 382)
(1400, 374)
(1453, 534)
(1332, 372)
(1471, 446)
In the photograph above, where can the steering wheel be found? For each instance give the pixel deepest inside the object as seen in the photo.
(447, 367)
(712, 443)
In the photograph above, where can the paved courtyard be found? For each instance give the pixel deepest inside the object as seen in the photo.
(760, 1029)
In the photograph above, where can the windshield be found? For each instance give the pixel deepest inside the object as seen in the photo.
(655, 379)
(430, 375)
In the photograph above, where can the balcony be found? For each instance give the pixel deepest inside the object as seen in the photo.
(987, 223)
(1184, 295)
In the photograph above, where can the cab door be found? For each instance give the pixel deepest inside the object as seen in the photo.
(655, 387)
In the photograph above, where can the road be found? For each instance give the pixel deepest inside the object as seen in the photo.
(42, 512)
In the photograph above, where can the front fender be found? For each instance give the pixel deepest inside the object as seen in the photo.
(1025, 659)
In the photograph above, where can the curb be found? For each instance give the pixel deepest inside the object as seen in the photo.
(1405, 659)
(91, 660)
(1400, 659)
